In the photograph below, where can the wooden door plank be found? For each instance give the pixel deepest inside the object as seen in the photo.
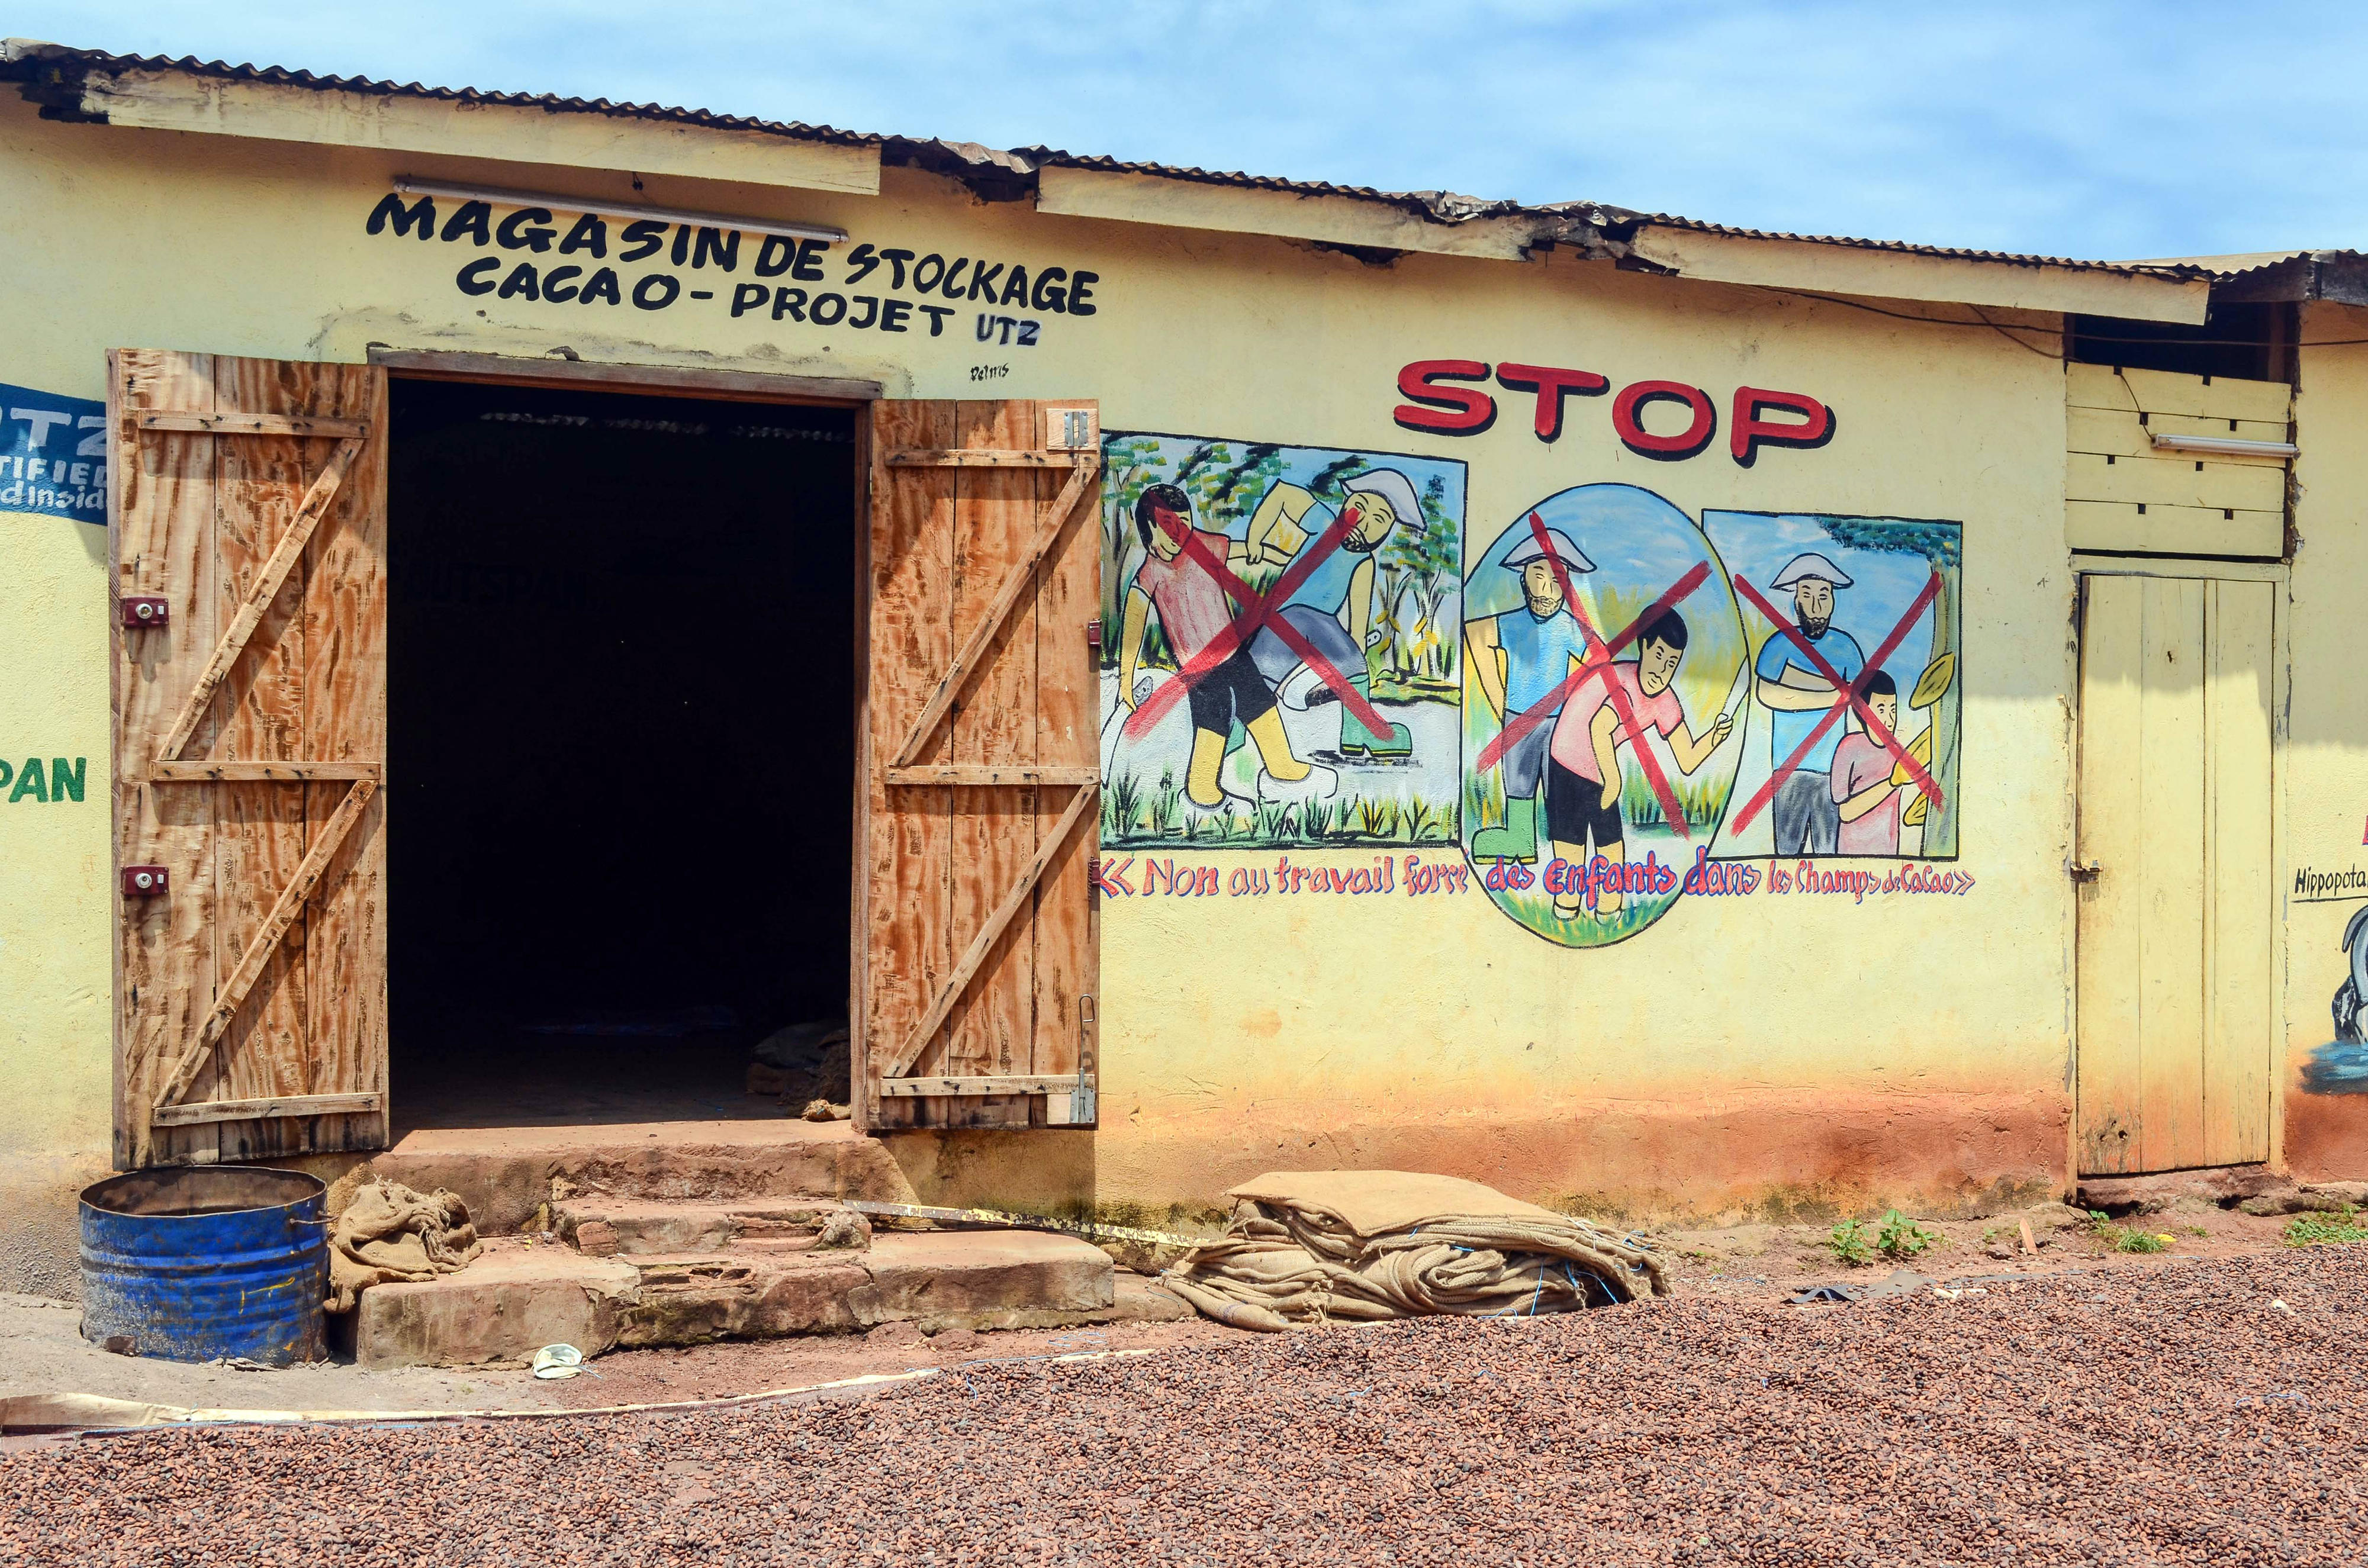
(267, 578)
(1017, 1083)
(992, 1026)
(261, 949)
(2171, 887)
(987, 773)
(2118, 433)
(910, 945)
(214, 771)
(2167, 480)
(1053, 524)
(2172, 530)
(244, 424)
(344, 727)
(190, 1112)
(992, 931)
(2167, 391)
(1025, 456)
(262, 524)
(1068, 595)
(2240, 967)
(161, 518)
(2111, 814)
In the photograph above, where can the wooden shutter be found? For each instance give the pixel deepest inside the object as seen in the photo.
(250, 495)
(977, 947)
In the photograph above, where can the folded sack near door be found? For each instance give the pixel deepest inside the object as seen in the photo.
(1315, 1246)
(390, 1232)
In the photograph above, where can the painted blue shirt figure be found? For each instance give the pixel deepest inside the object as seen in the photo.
(1522, 657)
(1805, 818)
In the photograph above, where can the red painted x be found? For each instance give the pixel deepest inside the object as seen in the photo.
(1846, 698)
(1596, 664)
(1257, 612)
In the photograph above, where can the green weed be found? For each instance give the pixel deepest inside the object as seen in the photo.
(1850, 1243)
(2323, 1229)
(2128, 1238)
(1902, 1238)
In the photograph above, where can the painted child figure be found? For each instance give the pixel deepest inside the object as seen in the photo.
(1867, 799)
(1194, 612)
(1520, 658)
(1583, 764)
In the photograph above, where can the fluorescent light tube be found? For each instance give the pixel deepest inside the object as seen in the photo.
(408, 185)
(2227, 446)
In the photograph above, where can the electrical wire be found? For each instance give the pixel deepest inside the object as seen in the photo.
(2006, 329)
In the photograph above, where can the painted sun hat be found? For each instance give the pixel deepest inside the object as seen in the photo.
(1809, 565)
(1394, 488)
(1566, 551)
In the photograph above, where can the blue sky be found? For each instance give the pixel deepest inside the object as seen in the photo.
(2100, 128)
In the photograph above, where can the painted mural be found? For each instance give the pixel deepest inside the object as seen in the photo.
(1850, 731)
(1280, 662)
(2340, 1067)
(1604, 672)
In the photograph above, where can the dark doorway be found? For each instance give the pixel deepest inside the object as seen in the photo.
(621, 747)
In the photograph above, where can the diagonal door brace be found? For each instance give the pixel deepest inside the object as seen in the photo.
(1052, 522)
(284, 555)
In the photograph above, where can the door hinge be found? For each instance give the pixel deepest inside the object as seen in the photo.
(2083, 871)
(1094, 632)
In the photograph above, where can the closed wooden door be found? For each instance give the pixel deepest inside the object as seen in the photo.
(976, 1006)
(2177, 887)
(247, 498)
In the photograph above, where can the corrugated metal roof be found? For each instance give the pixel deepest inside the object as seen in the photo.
(26, 59)
(85, 61)
(2228, 266)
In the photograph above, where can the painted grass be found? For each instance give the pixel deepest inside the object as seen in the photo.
(1136, 814)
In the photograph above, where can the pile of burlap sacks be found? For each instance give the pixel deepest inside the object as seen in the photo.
(1319, 1246)
(386, 1231)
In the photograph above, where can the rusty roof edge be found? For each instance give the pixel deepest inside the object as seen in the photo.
(52, 75)
(48, 73)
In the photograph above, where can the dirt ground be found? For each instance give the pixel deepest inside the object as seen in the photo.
(42, 1350)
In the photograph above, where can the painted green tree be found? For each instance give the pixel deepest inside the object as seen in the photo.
(1940, 544)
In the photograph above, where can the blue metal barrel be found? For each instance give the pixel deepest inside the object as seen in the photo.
(195, 1262)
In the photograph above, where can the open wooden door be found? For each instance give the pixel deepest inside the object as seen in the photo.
(248, 524)
(977, 945)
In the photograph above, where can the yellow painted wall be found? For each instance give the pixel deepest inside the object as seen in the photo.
(2327, 752)
(1803, 1050)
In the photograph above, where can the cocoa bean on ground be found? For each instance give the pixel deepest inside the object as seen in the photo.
(2200, 1412)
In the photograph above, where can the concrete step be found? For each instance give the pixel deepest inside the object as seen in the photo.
(519, 1296)
(514, 1299)
(507, 1175)
(601, 1226)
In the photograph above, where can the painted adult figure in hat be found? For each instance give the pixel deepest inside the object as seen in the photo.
(1333, 605)
(1522, 658)
(1806, 819)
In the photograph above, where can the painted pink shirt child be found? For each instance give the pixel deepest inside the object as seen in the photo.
(1575, 751)
(1192, 607)
(1860, 764)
